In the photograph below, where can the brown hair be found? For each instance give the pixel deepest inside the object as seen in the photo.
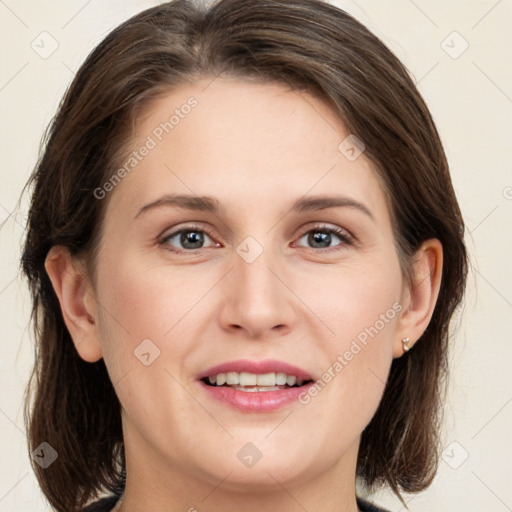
(308, 45)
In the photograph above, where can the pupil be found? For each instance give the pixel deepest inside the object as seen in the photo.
(321, 238)
(193, 237)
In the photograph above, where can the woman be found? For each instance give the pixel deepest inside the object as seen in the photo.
(242, 223)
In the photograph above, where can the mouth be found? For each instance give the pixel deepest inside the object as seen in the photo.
(252, 382)
(255, 386)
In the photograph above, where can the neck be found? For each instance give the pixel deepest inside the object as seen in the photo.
(157, 483)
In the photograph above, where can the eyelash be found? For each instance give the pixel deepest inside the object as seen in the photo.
(345, 238)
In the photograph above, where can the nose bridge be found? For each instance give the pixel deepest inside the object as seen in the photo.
(255, 283)
(257, 300)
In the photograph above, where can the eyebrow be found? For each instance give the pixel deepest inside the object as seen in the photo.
(212, 205)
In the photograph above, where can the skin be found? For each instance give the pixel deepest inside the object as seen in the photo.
(256, 148)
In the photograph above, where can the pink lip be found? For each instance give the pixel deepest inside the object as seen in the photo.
(258, 401)
(257, 367)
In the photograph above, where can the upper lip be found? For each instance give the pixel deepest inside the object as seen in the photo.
(257, 367)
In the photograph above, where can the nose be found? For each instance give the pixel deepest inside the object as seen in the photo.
(258, 301)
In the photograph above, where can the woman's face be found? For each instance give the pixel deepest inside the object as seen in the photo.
(255, 280)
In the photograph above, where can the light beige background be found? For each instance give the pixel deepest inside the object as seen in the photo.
(470, 97)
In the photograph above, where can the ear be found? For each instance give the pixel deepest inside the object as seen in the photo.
(420, 296)
(77, 301)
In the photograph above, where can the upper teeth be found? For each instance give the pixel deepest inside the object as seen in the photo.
(252, 379)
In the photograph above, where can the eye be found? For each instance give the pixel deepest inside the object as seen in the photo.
(191, 238)
(321, 237)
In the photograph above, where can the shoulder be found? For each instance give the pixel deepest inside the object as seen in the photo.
(366, 506)
(102, 505)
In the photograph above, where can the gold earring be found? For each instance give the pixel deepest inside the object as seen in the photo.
(405, 342)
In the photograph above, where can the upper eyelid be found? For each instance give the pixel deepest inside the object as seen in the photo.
(319, 226)
(174, 232)
(344, 235)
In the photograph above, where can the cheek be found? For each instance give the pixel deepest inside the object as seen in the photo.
(142, 311)
(366, 320)
(356, 301)
(355, 367)
(145, 331)
(150, 302)
(361, 307)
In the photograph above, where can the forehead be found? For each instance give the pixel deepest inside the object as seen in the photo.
(244, 143)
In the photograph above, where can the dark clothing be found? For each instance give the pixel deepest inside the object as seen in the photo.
(365, 506)
(107, 504)
(102, 505)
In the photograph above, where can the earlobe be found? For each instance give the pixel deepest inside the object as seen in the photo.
(77, 302)
(422, 294)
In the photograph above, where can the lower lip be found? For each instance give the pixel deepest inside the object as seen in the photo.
(257, 401)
